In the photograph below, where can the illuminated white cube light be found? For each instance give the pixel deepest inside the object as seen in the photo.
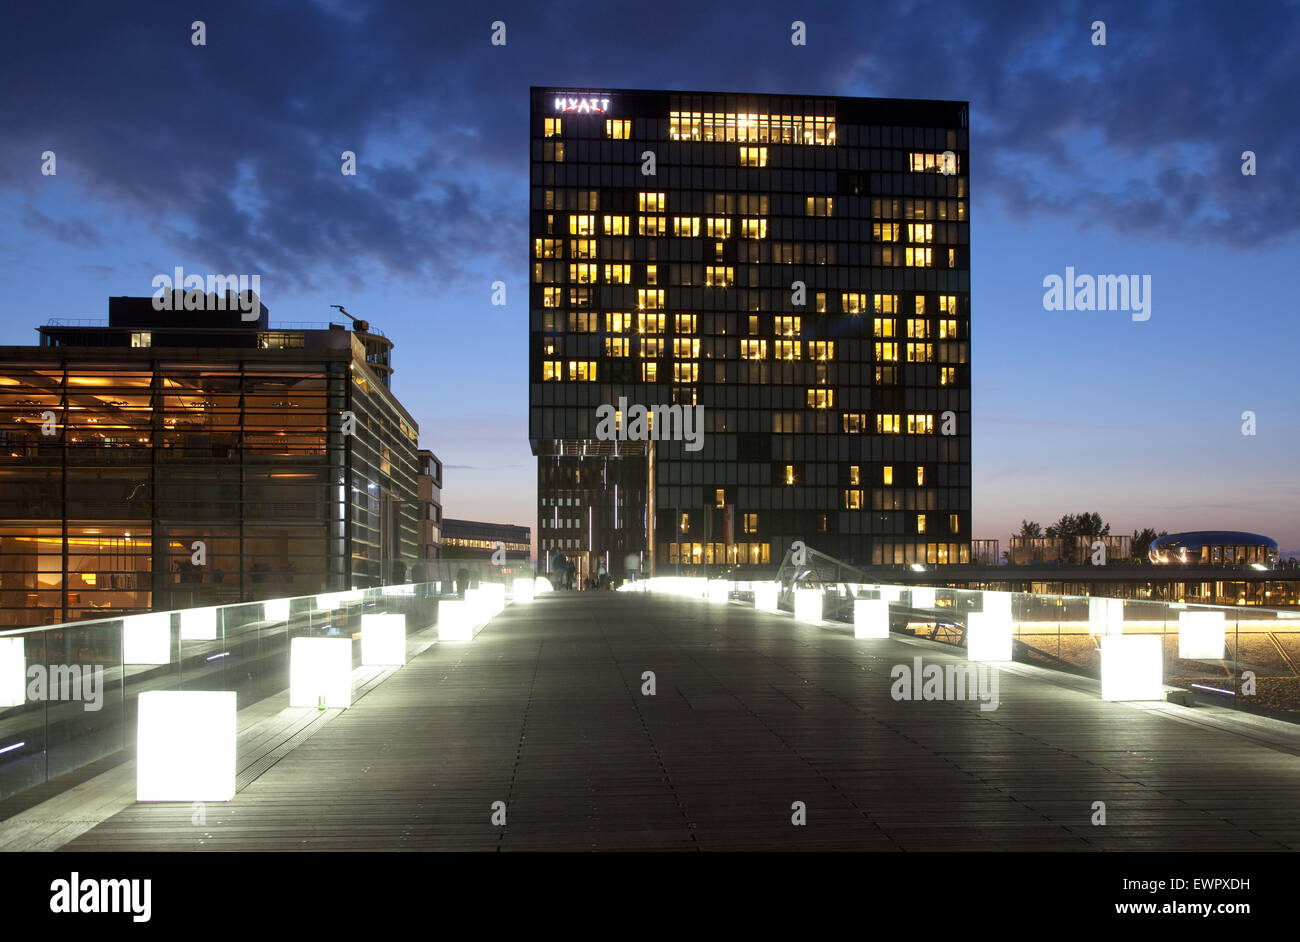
(997, 603)
(147, 639)
(275, 610)
(199, 624)
(1201, 635)
(383, 640)
(328, 602)
(891, 593)
(808, 605)
(1132, 667)
(542, 585)
(320, 667)
(988, 636)
(493, 596)
(923, 597)
(13, 672)
(765, 596)
(408, 589)
(522, 590)
(1106, 616)
(870, 618)
(185, 745)
(719, 591)
(455, 620)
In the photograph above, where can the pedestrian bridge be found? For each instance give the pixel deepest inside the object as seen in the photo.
(681, 715)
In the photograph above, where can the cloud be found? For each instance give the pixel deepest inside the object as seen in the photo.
(74, 232)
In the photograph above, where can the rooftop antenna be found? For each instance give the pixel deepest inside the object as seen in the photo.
(363, 326)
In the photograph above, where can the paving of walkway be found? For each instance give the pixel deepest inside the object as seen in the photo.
(752, 712)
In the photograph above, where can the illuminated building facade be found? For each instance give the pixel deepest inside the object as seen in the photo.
(474, 539)
(127, 445)
(800, 268)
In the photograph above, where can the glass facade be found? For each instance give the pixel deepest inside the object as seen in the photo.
(137, 477)
(798, 268)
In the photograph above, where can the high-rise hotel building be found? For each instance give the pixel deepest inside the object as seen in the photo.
(797, 266)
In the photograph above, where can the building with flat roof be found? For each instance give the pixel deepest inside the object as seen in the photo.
(163, 459)
(749, 324)
(474, 539)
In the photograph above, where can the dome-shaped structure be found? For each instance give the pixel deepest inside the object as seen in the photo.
(1214, 548)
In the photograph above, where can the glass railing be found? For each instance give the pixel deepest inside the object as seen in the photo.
(1244, 657)
(68, 692)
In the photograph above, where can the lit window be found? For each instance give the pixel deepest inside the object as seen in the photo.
(884, 231)
(686, 372)
(947, 375)
(649, 298)
(583, 274)
(551, 370)
(920, 232)
(821, 398)
(789, 475)
(821, 349)
(553, 151)
(753, 156)
(751, 523)
(552, 127)
(617, 323)
(888, 424)
(947, 328)
(617, 225)
(789, 349)
(546, 248)
(882, 327)
(650, 323)
(918, 327)
(685, 323)
(142, 338)
(918, 258)
(720, 497)
(651, 202)
(920, 352)
(551, 297)
(888, 474)
(788, 326)
(686, 348)
(685, 523)
(686, 226)
(753, 228)
(853, 500)
(920, 424)
(649, 372)
(819, 206)
(719, 276)
(717, 228)
(753, 349)
(952, 523)
(855, 475)
(886, 351)
(853, 302)
(920, 475)
(582, 248)
(920, 523)
(652, 347)
(618, 129)
(582, 225)
(652, 274)
(885, 303)
(616, 346)
(652, 225)
(582, 371)
(854, 423)
(618, 274)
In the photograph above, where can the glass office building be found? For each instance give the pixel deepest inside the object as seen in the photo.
(167, 459)
(796, 267)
